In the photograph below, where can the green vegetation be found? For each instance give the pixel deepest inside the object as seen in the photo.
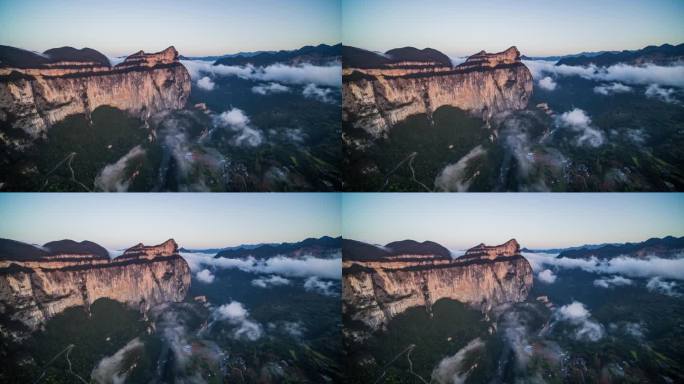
(107, 328)
(642, 147)
(387, 164)
(451, 326)
(75, 152)
(311, 163)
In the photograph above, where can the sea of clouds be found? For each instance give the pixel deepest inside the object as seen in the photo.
(662, 273)
(662, 82)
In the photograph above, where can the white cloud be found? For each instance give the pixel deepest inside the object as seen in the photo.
(658, 285)
(456, 60)
(206, 83)
(236, 120)
(271, 281)
(269, 88)
(579, 121)
(111, 369)
(312, 91)
(326, 75)
(205, 276)
(294, 328)
(304, 266)
(577, 314)
(113, 177)
(329, 75)
(608, 89)
(627, 266)
(630, 74)
(315, 284)
(547, 83)
(547, 276)
(452, 178)
(451, 369)
(635, 330)
(614, 281)
(236, 314)
(665, 94)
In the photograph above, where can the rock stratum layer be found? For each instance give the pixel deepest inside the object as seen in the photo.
(380, 283)
(378, 95)
(36, 284)
(37, 91)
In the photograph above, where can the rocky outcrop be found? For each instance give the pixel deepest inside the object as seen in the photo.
(36, 92)
(376, 98)
(36, 287)
(376, 289)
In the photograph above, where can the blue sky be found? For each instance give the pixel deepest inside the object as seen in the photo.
(536, 27)
(460, 221)
(193, 219)
(198, 27)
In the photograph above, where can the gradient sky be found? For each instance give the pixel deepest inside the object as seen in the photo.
(536, 27)
(198, 27)
(536, 220)
(194, 220)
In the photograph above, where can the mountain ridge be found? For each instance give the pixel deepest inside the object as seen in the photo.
(665, 54)
(33, 289)
(317, 55)
(379, 92)
(375, 289)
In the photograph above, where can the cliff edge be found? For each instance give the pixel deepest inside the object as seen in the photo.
(386, 282)
(379, 91)
(38, 90)
(37, 283)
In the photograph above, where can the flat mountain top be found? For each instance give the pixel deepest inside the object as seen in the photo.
(353, 57)
(360, 251)
(71, 246)
(21, 58)
(17, 250)
(415, 54)
(73, 54)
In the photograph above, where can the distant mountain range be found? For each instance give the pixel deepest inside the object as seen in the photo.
(667, 247)
(559, 250)
(214, 58)
(317, 55)
(665, 54)
(323, 247)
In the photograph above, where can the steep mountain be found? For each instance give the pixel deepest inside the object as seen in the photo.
(318, 55)
(40, 284)
(665, 54)
(667, 247)
(325, 246)
(382, 90)
(379, 285)
(37, 91)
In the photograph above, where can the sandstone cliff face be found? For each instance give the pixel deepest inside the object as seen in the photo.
(32, 291)
(32, 99)
(374, 291)
(374, 99)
